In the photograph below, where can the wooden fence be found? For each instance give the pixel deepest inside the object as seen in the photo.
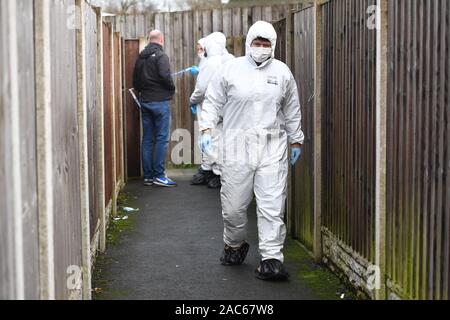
(16, 267)
(371, 195)
(418, 185)
(61, 144)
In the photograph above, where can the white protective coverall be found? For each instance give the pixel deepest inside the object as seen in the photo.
(261, 114)
(217, 55)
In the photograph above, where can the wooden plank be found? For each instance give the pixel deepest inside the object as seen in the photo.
(267, 13)
(27, 118)
(111, 157)
(227, 22)
(159, 21)
(66, 156)
(132, 115)
(246, 12)
(317, 119)
(168, 34)
(108, 110)
(237, 22)
(92, 106)
(217, 20)
(256, 14)
(381, 125)
(83, 150)
(446, 225)
(118, 106)
(44, 148)
(11, 247)
(130, 22)
(100, 129)
(140, 26)
(207, 22)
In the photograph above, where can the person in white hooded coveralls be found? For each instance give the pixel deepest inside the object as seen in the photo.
(201, 52)
(215, 55)
(256, 97)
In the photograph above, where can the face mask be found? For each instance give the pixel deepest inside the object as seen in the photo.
(260, 54)
(201, 56)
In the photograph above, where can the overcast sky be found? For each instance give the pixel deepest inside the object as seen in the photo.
(162, 5)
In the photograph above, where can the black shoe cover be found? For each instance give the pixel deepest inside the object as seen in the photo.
(214, 183)
(234, 257)
(202, 177)
(271, 270)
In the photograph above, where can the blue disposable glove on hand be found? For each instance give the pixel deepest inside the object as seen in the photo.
(206, 142)
(194, 70)
(295, 155)
(194, 109)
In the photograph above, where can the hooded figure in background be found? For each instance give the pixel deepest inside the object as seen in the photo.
(256, 97)
(216, 55)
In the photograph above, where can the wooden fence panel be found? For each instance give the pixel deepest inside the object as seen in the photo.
(418, 215)
(118, 105)
(27, 117)
(40, 250)
(92, 109)
(19, 251)
(303, 183)
(108, 110)
(132, 114)
(66, 160)
(281, 29)
(348, 108)
(7, 241)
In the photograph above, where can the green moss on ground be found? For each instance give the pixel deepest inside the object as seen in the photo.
(116, 230)
(322, 281)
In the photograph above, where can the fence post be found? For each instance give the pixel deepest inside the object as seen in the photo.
(381, 141)
(113, 127)
(44, 149)
(83, 146)
(121, 115)
(100, 175)
(317, 120)
(124, 113)
(289, 62)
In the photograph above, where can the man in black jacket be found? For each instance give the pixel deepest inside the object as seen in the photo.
(153, 80)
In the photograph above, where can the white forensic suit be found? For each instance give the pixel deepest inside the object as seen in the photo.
(216, 56)
(260, 109)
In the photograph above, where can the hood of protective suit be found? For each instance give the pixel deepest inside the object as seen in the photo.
(215, 44)
(201, 42)
(261, 29)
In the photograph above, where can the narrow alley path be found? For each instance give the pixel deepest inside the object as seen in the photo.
(172, 251)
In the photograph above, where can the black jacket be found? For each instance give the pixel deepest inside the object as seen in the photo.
(152, 75)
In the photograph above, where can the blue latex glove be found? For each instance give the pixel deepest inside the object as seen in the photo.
(194, 109)
(295, 155)
(194, 70)
(206, 142)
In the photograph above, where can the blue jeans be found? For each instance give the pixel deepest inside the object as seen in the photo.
(156, 118)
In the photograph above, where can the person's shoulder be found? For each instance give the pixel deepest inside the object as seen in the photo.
(213, 61)
(282, 68)
(234, 62)
(280, 65)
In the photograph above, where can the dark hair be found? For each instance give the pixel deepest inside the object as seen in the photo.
(262, 39)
